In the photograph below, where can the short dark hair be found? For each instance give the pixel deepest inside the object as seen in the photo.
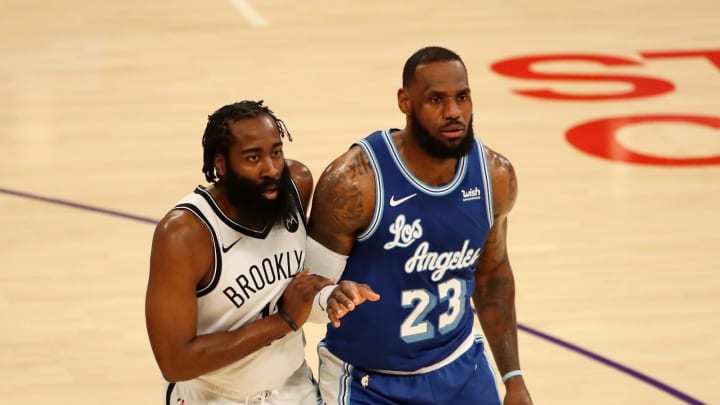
(218, 136)
(426, 55)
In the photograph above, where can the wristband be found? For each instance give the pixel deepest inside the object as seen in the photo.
(323, 295)
(286, 317)
(318, 312)
(511, 374)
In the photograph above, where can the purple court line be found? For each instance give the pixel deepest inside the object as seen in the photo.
(624, 369)
(83, 207)
(567, 345)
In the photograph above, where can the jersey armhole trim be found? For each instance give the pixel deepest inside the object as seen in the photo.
(217, 266)
(379, 196)
(487, 183)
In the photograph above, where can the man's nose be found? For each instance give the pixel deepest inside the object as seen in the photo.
(451, 110)
(270, 168)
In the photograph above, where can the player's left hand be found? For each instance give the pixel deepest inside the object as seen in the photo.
(346, 297)
(516, 393)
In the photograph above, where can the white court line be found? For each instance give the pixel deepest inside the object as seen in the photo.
(249, 12)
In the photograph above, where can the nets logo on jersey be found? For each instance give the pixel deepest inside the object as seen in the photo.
(292, 223)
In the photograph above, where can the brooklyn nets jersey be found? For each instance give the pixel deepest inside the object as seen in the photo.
(252, 269)
(419, 253)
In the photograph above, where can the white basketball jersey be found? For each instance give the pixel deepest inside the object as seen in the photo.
(252, 269)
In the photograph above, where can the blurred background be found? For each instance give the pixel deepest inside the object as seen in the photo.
(607, 109)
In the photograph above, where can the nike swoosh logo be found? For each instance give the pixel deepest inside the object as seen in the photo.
(226, 248)
(395, 203)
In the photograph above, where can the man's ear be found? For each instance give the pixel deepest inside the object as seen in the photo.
(404, 101)
(220, 165)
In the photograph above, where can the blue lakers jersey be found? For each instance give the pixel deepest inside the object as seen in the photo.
(419, 253)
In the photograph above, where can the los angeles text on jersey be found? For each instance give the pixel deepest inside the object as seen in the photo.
(405, 233)
(268, 271)
(440, 262)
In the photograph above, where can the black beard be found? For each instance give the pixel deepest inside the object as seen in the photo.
(246, 196)
(437, 148)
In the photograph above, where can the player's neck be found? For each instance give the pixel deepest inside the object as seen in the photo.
(430, 169)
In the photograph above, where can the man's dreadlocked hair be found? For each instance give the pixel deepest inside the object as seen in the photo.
(218, 136)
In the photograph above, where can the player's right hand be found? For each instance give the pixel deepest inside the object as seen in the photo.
(346, 297)
(300, 293)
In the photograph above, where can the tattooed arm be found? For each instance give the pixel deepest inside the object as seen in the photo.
(342, 206)
(344, 201)
(494, 296)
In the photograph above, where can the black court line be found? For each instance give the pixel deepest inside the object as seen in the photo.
(562, 343)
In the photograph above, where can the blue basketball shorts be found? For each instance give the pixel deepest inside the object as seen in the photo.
(469, 379)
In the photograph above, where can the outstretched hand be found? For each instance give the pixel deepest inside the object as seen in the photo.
(346, 297)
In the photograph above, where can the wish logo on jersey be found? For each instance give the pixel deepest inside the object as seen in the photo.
(424, 259)
(472, 194)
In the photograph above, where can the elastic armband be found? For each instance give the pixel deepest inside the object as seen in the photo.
(323, 261)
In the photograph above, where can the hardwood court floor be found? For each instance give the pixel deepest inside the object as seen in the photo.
(103, 106)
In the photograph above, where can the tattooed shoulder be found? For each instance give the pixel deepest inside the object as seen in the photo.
(345, 195)
(504, 182)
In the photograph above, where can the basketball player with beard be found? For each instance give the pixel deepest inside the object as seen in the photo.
(413, 223)
(228, 293)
